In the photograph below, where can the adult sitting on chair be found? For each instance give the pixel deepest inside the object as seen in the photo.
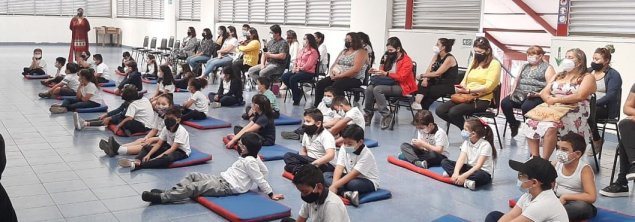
(626, 151)
(249, 49)
(303, 69)
(479, 83)
(531, 80)
(189, 42)
(393, 78)
(225, 54)
(608, 92)
(273, 60)
(573, 87)
(440, 77)
(348, 71)
(205, 50)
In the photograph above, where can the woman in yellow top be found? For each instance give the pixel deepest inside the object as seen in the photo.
(249, 49)
(481, 78)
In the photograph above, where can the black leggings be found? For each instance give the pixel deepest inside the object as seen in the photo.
(339, 85)
(455, 113)
(189, 114)
(433, 92)
(181, 83)
(238, 67)
(28, 71)
(163, 161)
(412, 154)
(133, 126)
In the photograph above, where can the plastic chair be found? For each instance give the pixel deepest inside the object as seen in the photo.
(396, 102)
(492, 113)
(137, 49)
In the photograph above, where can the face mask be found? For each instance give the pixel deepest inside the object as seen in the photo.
(435, 49)
(310, 198)
(347, 44)
(127, 69)
(533, 60)
(422, 131)
(162, 109)
(465, 134)
(327, 101)
(80, 14)
(38, 56)
(348, 149)
(563, 157)
(341, 113)
(171, 125)
(567, 65)
(597, 66)
(519, 183)
(391, 56)
(310, 129)
(245, 33)
(479, 57)
(204, 35)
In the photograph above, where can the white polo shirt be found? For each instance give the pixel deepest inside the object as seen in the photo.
(317, 145)
(181, 137)
(332, 209)
(356, 116)
(141, 110)
(545, 207)
(364, 163)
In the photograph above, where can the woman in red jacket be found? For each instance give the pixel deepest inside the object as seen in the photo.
(393, 78)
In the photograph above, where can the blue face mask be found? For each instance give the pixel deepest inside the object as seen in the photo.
(465, 134)
(348, 149)
(519, 183)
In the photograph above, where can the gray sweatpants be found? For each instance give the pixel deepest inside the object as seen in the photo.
(376, 95)
(197, 184)
(269, 70)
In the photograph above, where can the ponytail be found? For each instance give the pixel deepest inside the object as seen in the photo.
(489, 136)
(482, 129)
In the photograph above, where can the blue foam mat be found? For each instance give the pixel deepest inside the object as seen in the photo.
(196, 157)
(449, 218)
(149, 81)
(286, 120)
(370, 143)
(37, 76)
(379, 194)
(609, 215)
(275, 152)
(248, 206)
(110, 83)
(101, 108)
(209, 123)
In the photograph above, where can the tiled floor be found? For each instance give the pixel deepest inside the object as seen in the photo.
(55, 173)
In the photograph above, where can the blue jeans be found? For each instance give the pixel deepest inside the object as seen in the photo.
(74, 103)
(361, 185)
(292, 79)
(214, 63)
(194, 60)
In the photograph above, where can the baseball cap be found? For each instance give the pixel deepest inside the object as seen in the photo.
(536, 168)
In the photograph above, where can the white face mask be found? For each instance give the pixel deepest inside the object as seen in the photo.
(563, 157)
(436, 49)
(327, 100)
(532, 60)
(567, 65)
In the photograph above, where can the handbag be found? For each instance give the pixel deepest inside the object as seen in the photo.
(382, 80)
(551, 113)
(463, 98)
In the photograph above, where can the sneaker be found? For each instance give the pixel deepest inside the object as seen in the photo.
(631, 174)
(445, 174)
(151, 197)
(290, 135)
(422, 164)
(43, 82)
(78, 125)
(296, 103)
(416, 106)
(113, 145)
(352, 196)
(126, 163)
(107, 149)
(615, 190)
(215, 105)
(514, 129)
(58, 110)
(156, 191)
(245, 116)
(386, 121)
(44, 95)
(469, 184)
(103, 144)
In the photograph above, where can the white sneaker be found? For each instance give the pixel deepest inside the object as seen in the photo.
(76, 121)
(469, 184)
(126, 163)
(445, 174)
(416, 106)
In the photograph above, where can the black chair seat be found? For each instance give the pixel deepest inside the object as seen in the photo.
(485, 114)
(607, 121)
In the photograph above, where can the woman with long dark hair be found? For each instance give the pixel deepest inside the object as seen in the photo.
(304, 68)
(189, 42)
(205, 50)
(79, 41)
(226, 53)
(250, 49)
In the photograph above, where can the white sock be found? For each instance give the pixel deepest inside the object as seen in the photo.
(122, 150)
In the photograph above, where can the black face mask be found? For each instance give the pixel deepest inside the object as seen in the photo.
(347, 44)
(311, 198)
(597, 66)
(204, 35)
(171, 124)
(80, 14)
(391, 56)
(479, 57)
(309, 129)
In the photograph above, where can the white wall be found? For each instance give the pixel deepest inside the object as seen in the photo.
(48, 29)
(418, 44)
(621, 59)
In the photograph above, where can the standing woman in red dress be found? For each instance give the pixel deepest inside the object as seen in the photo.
(79, 27)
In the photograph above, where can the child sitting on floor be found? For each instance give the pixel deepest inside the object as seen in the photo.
(87, 95)
(162, 106)
(329, 115)
(128, 95)
(351, 115)
(575, 184)
(37, 66)
(230, 90)
(184, 80)
(318, 145)
(197, 106)
(261, 123)
(430, 146)
(173, 145)
(60, 64)
(82, 60)
(475, 164)
(263, 84)
(121, 70)
(67, 87)
(356, 171)
(165, 84)
(101, 69)
(246, 172)
(150, 72)
(320, 204)
(132, 77)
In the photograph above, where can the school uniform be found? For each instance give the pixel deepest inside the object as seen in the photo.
(37, 71)
(364, 162)
(143, 116)
(133, 78)
(102, 69)
(229, 93)
(198, 110)
(274, 104)
(7, 213)
(474, 152)
(356, 116)
(180, 137)
(332, 209)
(167, 89)
(72, 84)
(151, 72)
(240, 177)
(438, 138)
(316, 147)
(94, 101)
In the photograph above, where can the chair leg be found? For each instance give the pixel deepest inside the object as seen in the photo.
(603, 131)
(617, 151)
(595, 157)
(500, 142)
(505, 129)
(447, 128)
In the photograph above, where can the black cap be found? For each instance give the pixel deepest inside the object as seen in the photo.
(536, 168)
